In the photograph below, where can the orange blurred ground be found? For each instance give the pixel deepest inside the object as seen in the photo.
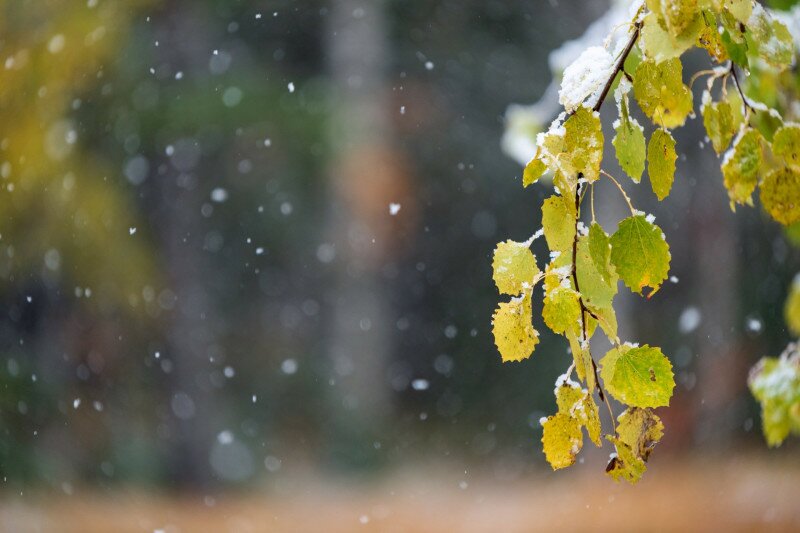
(740, 494)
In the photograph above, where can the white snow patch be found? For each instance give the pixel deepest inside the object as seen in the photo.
(586, 75)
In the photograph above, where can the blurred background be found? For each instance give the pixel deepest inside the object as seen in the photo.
(245, 279)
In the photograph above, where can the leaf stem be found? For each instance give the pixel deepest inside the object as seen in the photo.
(748, 106)
(621, 190)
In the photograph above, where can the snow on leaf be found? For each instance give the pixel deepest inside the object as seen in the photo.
(561, 440)
(585, 76)
(775, 383)
(640, 253)
(513, 332)
(771, 38)
(780, 195)
(638, 376)
(514, 266)
(661, 159)
(578, 403)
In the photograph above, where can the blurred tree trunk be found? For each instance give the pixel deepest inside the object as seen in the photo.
(714, 237)
(367, 175)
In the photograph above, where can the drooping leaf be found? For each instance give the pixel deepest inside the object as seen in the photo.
(775, 383)
(741, 165)
(661, 159)
(740, 9)
(780, 195)
(513, 332)
(640, 429)
(624, 464)
(718, 121)
(640, 253)
(597, 277)
(533, 171)
(638, 376)
(791, 310)
(679, 15)
(561, 310)
(600, 252)
(661, 94)
(584, 143)
(771, 38)
(558, 222)
(582, 357)
(710, 38)
(513, 266)
(561, 440)
(630, 147)
(656, 42)
(786, 144)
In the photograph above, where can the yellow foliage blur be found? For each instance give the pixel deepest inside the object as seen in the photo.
(64, 211)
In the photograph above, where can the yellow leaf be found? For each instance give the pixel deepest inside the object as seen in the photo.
(514, 335)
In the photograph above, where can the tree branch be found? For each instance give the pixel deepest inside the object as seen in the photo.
(637, 27)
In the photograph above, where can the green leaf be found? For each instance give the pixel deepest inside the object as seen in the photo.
(561, 310)
(661, 158)
(740, 9)
(791, 310)
(780, 195)
(561, 440)
(640, 253)
(600, 252)
(718, 121)
(597, 277)
(513, 332)
(775, 383)
(741, 165)
(638, 376)
(514, 267)
(661, 94)
(558, 223)
(629, 145)
(786, 144)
